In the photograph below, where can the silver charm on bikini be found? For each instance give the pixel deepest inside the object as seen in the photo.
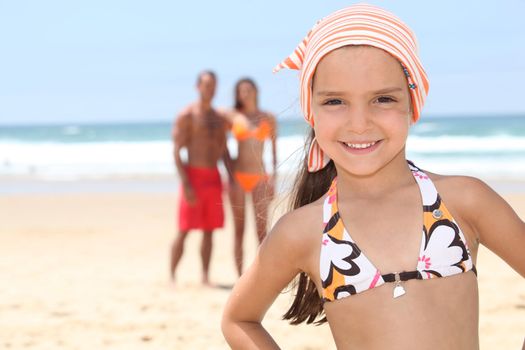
(398, 288)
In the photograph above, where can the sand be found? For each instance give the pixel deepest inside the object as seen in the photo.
(90, 271)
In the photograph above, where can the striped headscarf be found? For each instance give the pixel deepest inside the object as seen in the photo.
(359, 24)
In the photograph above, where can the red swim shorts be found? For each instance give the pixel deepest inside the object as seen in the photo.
(207, 212)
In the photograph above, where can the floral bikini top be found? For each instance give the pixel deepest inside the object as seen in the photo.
(345, 270)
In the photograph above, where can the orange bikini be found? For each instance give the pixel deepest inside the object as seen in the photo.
(248, 181)
(241, 132)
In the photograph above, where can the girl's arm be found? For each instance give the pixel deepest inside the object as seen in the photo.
(275, 265)
(497, 225)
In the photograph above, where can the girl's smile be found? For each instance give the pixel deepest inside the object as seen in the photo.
(361, 148)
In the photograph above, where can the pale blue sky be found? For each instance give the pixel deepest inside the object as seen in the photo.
(103, 61)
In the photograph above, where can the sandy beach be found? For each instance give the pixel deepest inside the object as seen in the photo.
(90, 271)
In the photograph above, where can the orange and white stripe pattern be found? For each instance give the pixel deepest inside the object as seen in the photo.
(359, 24)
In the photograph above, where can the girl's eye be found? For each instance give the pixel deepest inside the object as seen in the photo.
(333, 102)
(385, 99)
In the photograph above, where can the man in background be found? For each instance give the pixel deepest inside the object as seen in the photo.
(202, 131)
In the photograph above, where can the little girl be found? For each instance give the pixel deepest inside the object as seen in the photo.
(385, 250)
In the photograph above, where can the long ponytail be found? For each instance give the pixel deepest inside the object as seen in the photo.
(308, 187)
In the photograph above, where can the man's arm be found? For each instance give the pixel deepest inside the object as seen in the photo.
(228, 163)
(226, 157)
(181, 136)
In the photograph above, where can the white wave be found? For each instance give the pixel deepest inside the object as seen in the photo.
(495, 155)
(82, 153)
(455, 144)
(71, 160)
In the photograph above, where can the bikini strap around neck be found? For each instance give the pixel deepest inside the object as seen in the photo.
(429, 194)
(330, 202)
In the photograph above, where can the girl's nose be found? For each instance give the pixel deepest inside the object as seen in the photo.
(358, 120)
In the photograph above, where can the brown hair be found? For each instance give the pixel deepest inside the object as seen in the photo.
(308, 187)
(238, 104)
(206, 72)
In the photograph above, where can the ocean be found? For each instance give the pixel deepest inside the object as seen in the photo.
(486, 147)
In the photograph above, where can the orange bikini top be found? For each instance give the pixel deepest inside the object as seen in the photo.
(241, 131)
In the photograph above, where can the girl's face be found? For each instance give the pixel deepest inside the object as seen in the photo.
(361, 108)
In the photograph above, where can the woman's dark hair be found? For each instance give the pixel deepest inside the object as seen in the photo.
(308, 187)
(238, 102)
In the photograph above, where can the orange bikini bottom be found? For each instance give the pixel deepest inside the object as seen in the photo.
(248, 181)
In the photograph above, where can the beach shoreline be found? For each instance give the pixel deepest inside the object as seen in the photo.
(16, 184)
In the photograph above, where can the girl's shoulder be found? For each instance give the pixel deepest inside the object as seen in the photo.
(299, 232)
(488, 218)
(467, 198)
(467, 189)
(301, 221)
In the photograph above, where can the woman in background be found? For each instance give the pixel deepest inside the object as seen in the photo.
(251, 127)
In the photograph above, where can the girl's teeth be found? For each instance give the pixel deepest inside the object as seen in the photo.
(360, 145)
